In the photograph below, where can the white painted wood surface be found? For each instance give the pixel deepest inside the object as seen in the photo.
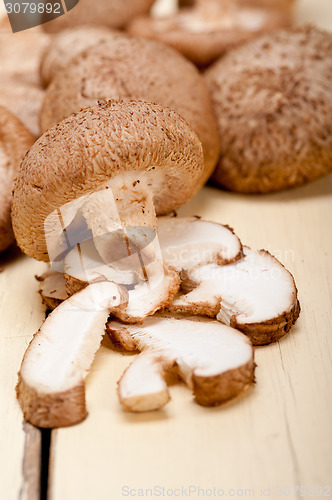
(277, 434)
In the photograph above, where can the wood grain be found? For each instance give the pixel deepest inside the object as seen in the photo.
(277, 434)
(21, 314)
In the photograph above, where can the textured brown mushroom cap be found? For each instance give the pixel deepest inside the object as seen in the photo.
(15, 140)
(273, 100)
(68, 44)
(24, 101)
(203, 45)
(20, 55)
(129, 68)
(114, 14)
(88, 148)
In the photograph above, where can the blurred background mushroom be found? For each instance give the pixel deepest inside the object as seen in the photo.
(15, 140)
(111, 13)
(206, 29)
(132, 68)
(273, 101)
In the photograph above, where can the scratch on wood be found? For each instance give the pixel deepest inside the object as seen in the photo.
(30, 489)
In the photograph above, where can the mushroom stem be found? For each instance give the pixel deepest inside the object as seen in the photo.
(51, 379)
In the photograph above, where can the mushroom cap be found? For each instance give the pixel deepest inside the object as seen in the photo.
(15, 140)
(20, 55)
(90, 147)
(114, 14)
(68, 44)
(273, 101)
(129, 68)
(24, 101)
(204, 40)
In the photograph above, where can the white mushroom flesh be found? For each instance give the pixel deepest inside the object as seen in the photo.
(61, 353)
(255, 289)
(187, 242)
(198, 348)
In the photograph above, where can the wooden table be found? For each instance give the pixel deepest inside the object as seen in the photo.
(273, 439)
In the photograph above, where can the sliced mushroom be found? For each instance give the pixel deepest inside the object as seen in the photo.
(256, 295)
(114, 14)
(52, 288)
(279, 134)
(129, 68)
(51, 379)
(214, 360)
(24, 101)
(68, 44)
(187, 242)
(207, 29)
(15, 140)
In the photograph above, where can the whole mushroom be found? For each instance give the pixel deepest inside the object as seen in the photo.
(114, 14)
(149, 154)
(207, 29)
(15, 140)
(273, 101)
(130, 68)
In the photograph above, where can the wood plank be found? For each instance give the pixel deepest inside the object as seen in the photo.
(277, 434)
(21, 314)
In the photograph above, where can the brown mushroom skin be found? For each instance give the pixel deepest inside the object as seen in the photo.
(131, 68)
(219, 389)
(89, 148)
(273, 101)
(15, 140)
(52, 410)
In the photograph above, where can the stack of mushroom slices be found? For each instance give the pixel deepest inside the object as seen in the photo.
(92, 213)
(251, 295)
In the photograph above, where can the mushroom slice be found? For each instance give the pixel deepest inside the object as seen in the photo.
(214, 360)
(187, 242)
(52, 288)
(256, 295)
(51, 379)
(150, 296)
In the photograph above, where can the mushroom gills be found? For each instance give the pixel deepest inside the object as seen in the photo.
(213, 360)
(187, 242)
(257, 295)
(51, 379)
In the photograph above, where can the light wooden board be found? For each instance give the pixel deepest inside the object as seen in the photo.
(278, 434)
(21, 313)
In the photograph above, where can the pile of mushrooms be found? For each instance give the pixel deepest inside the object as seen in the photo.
(90, 208)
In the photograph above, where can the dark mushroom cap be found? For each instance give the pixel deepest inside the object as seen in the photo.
(273, 101)
(88, 148)
(130, 68)
(111, 13)
(15, 140)
(203, 37)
